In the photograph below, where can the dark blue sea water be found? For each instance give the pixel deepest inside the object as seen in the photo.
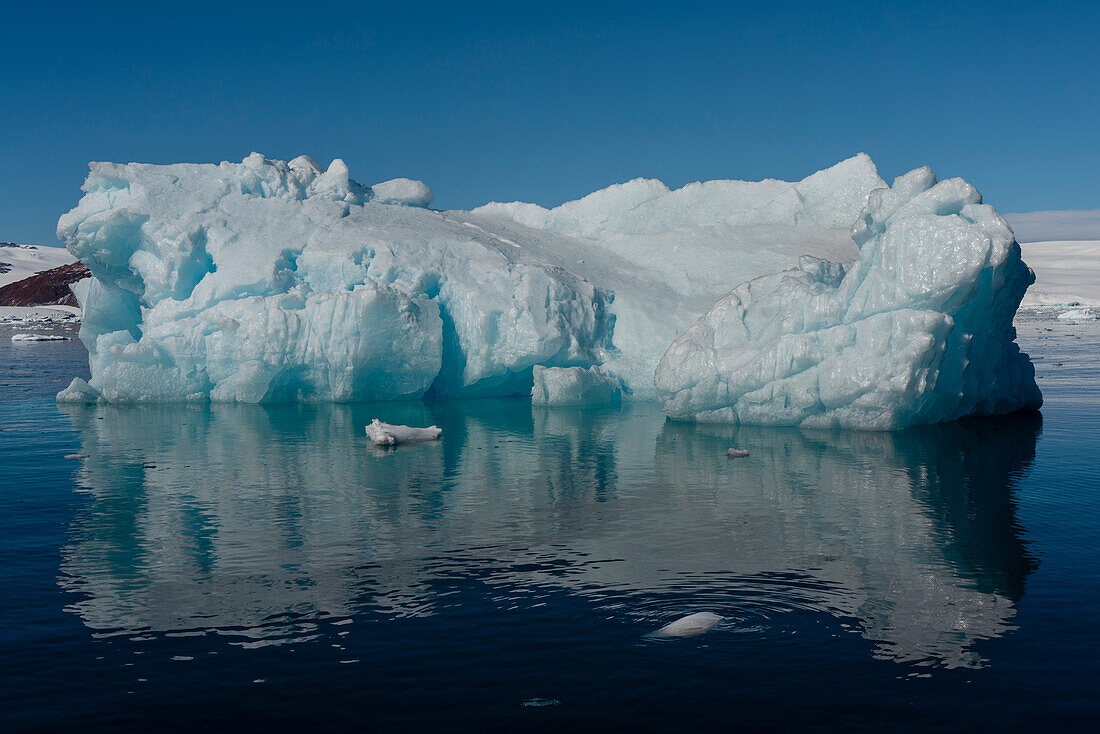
(251, 568)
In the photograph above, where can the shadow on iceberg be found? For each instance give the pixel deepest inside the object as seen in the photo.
(261, 523)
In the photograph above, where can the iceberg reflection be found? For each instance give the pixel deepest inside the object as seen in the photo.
(261, 522)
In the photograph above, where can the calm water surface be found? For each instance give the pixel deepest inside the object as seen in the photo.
(265, 568)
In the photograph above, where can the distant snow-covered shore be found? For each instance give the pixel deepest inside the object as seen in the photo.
(1067, 273)
(22, 261)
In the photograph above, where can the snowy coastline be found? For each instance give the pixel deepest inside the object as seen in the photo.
(18, 262)
(1067, 273)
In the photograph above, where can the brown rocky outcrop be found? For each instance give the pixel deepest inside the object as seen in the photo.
(48, 288)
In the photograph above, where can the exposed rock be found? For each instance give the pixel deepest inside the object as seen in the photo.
(48, 288)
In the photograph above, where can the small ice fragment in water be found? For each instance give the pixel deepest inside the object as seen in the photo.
(736, 453)
(75, 456)
(690, 626)
(384, 434)
(540, 702)
(78, 391)
(39, 338)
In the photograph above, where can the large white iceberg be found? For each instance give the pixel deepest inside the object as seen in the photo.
(267, 281)
(917, 330)
(270, 281)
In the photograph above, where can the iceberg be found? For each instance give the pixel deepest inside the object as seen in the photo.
(265, 281)
(269, 281)
(918, 330)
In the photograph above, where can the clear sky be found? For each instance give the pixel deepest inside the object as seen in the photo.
(546, 102)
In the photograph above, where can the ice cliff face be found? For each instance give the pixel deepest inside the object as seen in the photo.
(918, 330)
(269, 281)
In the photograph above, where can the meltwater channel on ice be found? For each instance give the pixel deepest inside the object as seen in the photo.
(833, 301)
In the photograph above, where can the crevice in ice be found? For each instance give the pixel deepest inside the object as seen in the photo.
(195, 267)
(453, 362)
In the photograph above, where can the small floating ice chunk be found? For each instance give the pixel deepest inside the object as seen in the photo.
(385, 434)
(736, 453)
(74, 456)
(1082, 314)
(39, 338)
(690, 626)
(78, 391)
(540, 702)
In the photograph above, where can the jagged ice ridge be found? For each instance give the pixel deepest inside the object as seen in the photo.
(918, 330)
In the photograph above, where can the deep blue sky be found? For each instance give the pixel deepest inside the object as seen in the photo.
(548, 102)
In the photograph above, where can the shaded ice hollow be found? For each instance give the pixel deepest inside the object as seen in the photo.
(267, 281)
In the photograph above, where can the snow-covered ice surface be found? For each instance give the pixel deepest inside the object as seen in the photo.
(268, 281)
(403, 191)
(385, 434)
(1067, 273)
(22, 261)
(918, 330)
